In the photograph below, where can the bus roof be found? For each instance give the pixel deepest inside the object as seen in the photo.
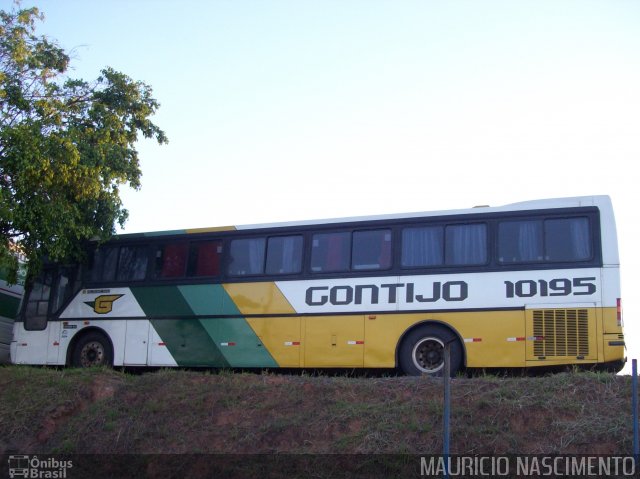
(602, 202)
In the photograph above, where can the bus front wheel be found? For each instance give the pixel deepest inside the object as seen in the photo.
(93, 349)
(422, 351)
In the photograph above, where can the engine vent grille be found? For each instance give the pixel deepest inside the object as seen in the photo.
(565, 332)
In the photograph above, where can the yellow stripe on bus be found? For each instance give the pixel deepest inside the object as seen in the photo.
(214, 229)
(281, 337)
(258, 298)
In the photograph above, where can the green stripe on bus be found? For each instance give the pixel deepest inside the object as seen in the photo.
(238, 343)
(235, 338)
(209, 300)
(162, 301)
(188, 342)
(216, 342)
(186, 339)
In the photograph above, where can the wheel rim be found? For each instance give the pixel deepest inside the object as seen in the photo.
(428, 355)
(92, 354)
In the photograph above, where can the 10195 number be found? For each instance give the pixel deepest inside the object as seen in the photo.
(527, 288)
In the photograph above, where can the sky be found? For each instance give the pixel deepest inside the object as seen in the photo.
(289, 110)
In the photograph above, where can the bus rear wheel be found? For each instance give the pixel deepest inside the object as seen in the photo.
(91, 350)
(422, 352)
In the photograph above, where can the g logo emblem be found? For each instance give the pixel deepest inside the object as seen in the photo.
(104, 304)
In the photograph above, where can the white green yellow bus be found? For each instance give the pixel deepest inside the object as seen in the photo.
(525, 285)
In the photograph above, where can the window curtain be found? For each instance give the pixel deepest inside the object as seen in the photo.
(466, 244)
(256, 256)
(579, 233)
(290, 254)
(529, 241)
(422, 246)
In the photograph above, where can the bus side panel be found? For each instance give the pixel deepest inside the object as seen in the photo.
(201, 325)
(136, 342)
(54, 350)
(31, 346)
(114, 329)
(238, 342)
(159, 354)
(334, 341)
(610, 286)
(486, 336)
(212, 342)
(281, 337)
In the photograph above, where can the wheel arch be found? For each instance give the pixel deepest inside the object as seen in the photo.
(427, 323)
(81, 334)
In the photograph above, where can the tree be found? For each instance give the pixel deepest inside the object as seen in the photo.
(67, 146)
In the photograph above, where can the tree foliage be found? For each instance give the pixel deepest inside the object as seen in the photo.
(67, 146)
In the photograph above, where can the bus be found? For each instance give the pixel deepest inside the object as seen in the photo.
(525, 285)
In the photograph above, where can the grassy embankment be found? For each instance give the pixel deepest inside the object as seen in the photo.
(74, 411)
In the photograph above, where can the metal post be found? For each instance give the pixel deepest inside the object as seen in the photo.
(634, 405)
(447, 406)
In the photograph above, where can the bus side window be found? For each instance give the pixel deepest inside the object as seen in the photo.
(132, 263)
(171, 260)
(104, 264)
(422, 246)
(204, 258)
(551, 240)
(284, 255)
(330, 252)
(247, 256)
(37, 307)
(371, 250)
(567, 239)
(67, 283)
(466, 244)
(520, 241)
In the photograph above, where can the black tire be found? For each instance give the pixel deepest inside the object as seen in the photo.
(422, 351)
(93, 349)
